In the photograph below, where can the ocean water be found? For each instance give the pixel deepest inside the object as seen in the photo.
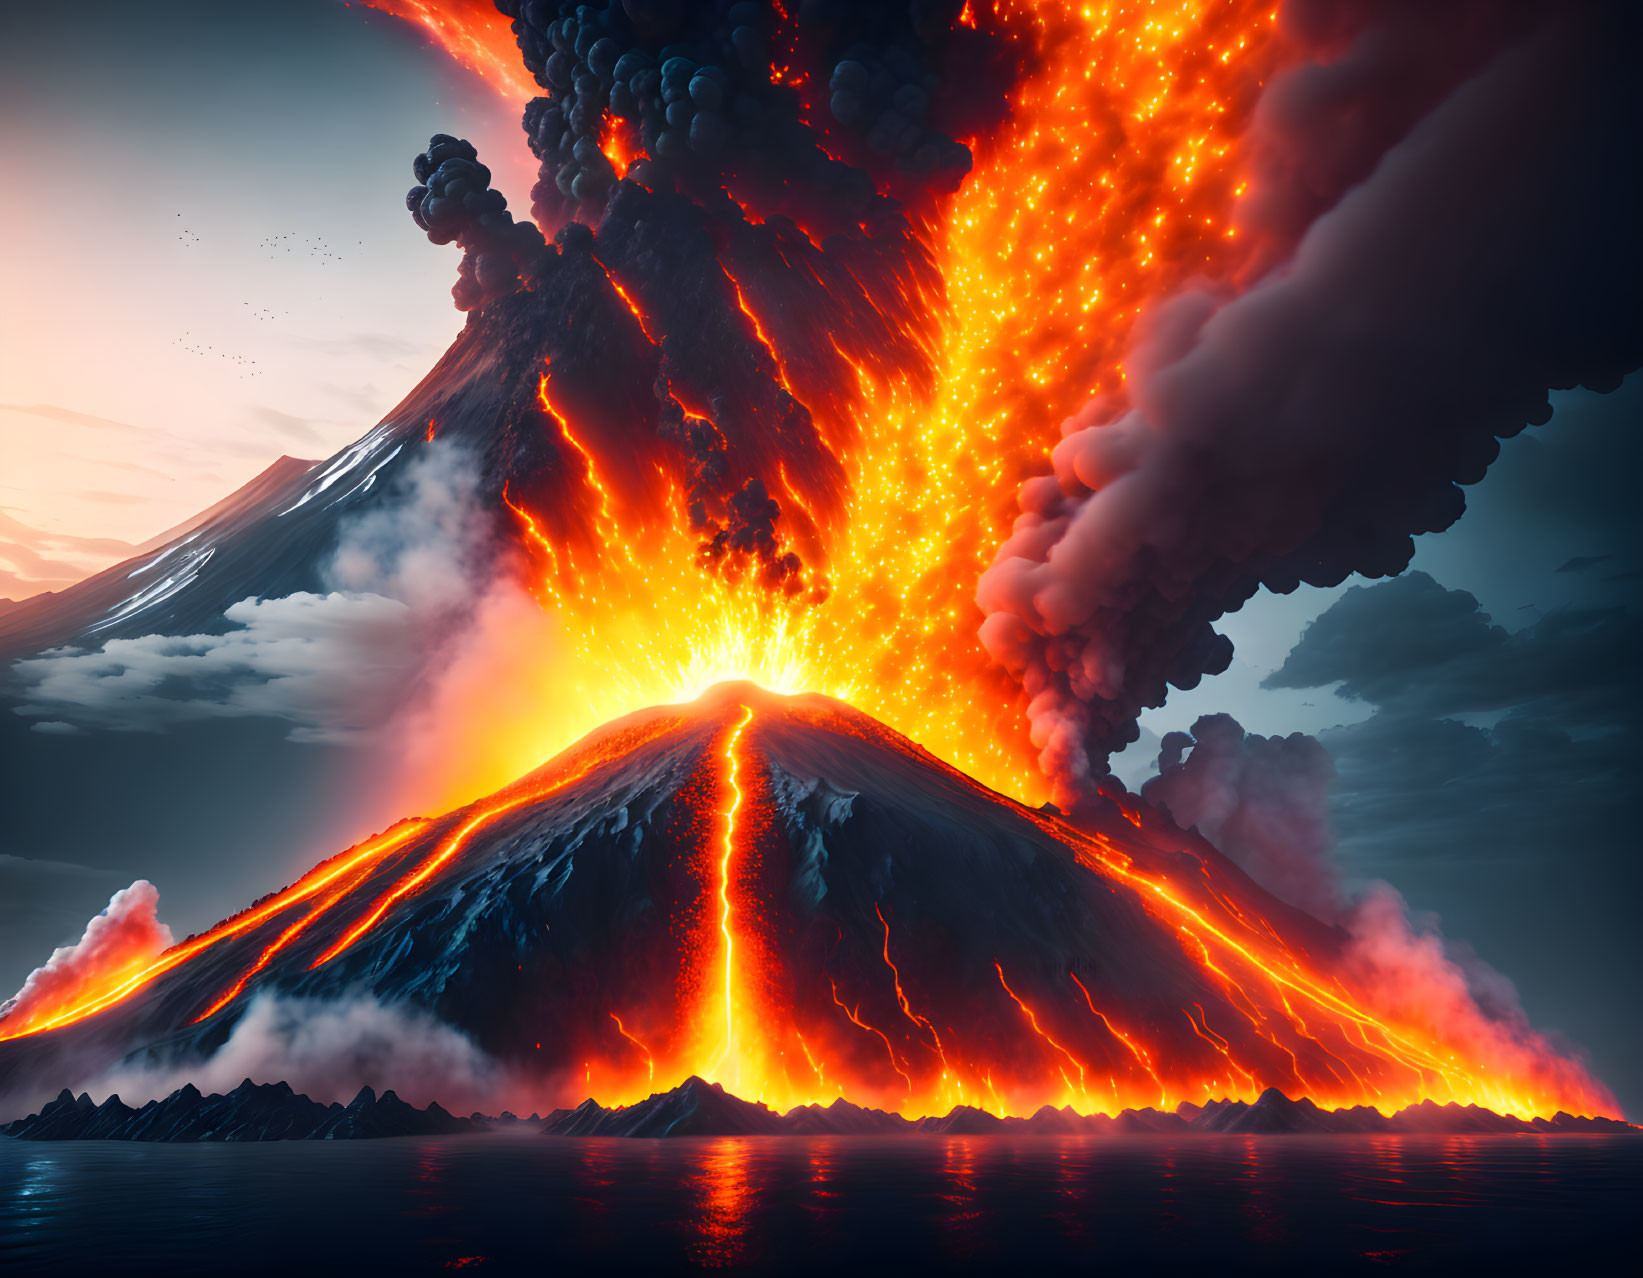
(517, 1203)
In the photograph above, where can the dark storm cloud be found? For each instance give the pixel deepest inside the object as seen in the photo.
(1307, 429)
(1485, 745)
(1416, 650)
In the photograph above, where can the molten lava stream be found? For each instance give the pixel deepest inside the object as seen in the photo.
(727, 867)
(760, 1052)
(531, 790)
(89, 1002)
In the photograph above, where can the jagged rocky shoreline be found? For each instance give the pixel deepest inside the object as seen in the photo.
(698, 1108)
(251, 1112)
(273, 1111)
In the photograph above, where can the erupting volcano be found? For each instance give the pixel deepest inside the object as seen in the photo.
(955, 365)
(782, 895)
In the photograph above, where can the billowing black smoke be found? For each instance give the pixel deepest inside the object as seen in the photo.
(708, 92)
(1309, 427)
(1264, 801)
(708, 316)
(457, 202)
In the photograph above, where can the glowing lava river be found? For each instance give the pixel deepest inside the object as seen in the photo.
(786, 897)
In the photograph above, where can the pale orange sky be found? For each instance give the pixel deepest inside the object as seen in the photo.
(207, 275)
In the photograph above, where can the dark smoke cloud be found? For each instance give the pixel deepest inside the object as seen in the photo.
(455, 201)
(1307, 429)
(1263, 801)
(710, 92)
(770, 238)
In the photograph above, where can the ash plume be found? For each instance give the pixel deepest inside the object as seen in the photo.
(1307, 428)
(455, 201)
(741, 200)
(1265, 803)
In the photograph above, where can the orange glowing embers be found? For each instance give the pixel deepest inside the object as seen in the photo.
(1112, 184)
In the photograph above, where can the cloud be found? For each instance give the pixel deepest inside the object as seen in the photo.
(29, 551)
(298, 428)
(1411, 647)
(56, 413)
(1580, 563)
(331, 665)
(335, 665)
(103, 497)
(1263, 801)
(386, 346)
(328, 1050)
(1475, 727)
(56, 728)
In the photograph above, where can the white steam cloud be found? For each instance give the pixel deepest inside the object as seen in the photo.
(334, 665)
(327, 1050)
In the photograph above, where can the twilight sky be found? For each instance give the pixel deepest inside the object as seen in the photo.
(213, 266)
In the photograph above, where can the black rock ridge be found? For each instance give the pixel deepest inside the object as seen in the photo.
(698, 1108)
(273, 1111)
(251, 1112)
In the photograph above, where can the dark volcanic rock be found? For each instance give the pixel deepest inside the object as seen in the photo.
(272, 1111)
(1453, 1119)
(1149, 1122)
(965, 1120)
(251, 1112)
(694, 1108)
(1273, 1112)
(1561, 1122)
(841, 1118)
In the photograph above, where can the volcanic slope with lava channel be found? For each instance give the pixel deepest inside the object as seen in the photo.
(783, 896)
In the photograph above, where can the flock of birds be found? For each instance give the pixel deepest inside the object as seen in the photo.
(274, 247)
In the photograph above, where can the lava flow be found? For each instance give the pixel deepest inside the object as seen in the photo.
(890, 385)
(788, 897)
